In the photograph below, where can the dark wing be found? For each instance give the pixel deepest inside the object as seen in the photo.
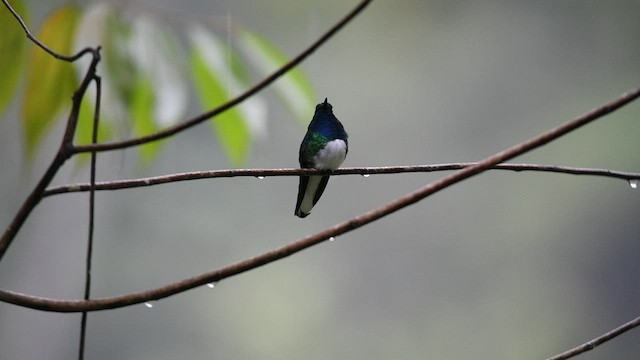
(302, 188)
(303, 155)
(321, 186)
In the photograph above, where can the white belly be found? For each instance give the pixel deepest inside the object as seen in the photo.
(331, 156)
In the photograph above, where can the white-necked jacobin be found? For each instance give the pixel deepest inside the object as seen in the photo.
(324, 147)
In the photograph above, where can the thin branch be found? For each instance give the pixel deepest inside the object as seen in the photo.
(67, 149)
(590, 345)
(92, 206)
(199, 175)
(55, 305)
(44, 47)
(224, 107)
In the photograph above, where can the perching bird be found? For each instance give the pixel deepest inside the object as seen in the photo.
(324, 147)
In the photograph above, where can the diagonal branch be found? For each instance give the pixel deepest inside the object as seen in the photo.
(55, 305)
(224, 107)
(67, 149)
(590, 345)
(64, 152)
(198, 175)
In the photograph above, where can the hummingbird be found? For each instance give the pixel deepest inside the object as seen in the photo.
(324, 147)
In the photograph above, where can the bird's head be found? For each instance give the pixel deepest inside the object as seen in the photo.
(325, 106)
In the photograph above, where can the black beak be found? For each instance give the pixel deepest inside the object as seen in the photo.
(325, 101)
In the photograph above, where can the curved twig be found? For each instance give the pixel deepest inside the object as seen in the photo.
(92, 207)
(55, 305)
(224, 107)
(44, 47)
(198, 175)
(68, 149)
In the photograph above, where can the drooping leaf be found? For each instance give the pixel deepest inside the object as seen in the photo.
(91, 31)
(50, 82)
(117, 60)
(231, 130)
(84, 130)
(157, 96)
(214, 81)
(12, 45)
(155, 52)
(141, 109)
(294, 88)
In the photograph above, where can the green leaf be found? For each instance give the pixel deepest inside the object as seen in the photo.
(229, 126)
(12, 45)
(91, 31)
(84, 129)
(155, 52)
(294, 88)
(50, 82)
(214, 84)
(141, 108)
(118, 62)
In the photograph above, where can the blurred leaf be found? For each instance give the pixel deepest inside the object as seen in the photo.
(84, 130)
(155, 52)
(141, 108)
(238, 68)
(92, 31)
(119, 62)
(294, 88)
(214, 84)
(12, 44)
(229, 126)
(50, 82)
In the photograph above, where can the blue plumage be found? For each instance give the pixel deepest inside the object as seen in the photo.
(324, 147)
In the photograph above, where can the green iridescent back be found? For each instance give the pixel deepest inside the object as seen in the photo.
(312, 143)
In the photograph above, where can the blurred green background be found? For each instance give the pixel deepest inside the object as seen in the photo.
(503, 266)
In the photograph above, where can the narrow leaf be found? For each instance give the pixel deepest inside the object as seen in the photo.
(84, 133)
(215, 82)
(294, 88)
(84, 130)
(155, 52)
(12, 45)
(118, 61)
(229, 126)
(92, 30)
(141, 108)
(50, 82)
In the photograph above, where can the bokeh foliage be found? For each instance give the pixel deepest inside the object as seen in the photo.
(145, 72)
